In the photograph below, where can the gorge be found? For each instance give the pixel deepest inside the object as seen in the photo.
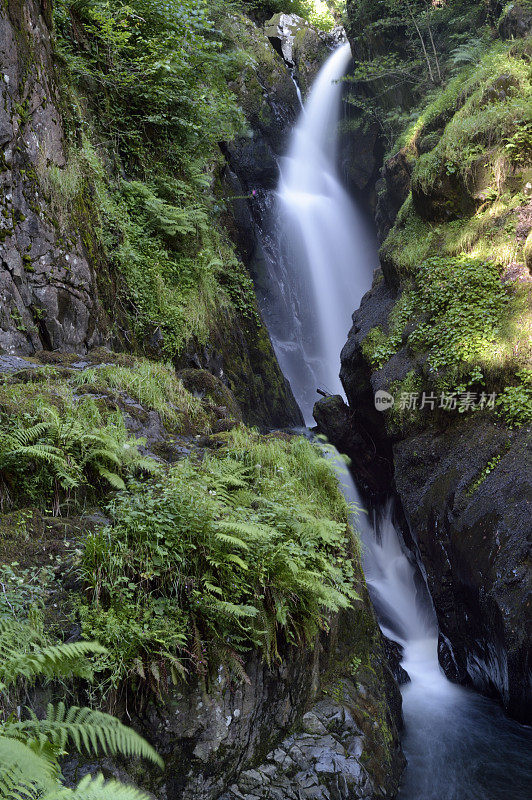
(209, 213)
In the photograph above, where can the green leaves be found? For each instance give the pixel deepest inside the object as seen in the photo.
(235, 550)
(65, 449)
(30, 747)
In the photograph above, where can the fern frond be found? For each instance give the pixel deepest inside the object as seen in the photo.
(97, 788)
(52, 661)
(90, 731)
(235, 610)
(23, 772)
(111, 477)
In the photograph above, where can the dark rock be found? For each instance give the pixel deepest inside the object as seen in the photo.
(475, 545)
(335, 421)
(394, 654)
(515, 21)
(392, 190)
(47, 286)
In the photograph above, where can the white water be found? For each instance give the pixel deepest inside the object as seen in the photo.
(332, 253)
(459, 745)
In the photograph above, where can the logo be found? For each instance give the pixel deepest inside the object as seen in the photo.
(383, 400)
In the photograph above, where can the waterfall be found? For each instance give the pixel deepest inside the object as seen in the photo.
(459, 745)
(319, 262)
(328, 250)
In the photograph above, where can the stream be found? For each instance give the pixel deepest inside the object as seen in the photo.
(320, 260)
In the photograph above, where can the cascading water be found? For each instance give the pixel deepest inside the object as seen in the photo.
(459, 745)
(326, 251)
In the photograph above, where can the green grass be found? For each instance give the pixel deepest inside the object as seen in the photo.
(154, 385)
(470, 328)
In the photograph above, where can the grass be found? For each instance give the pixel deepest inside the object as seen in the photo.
(64, 430)
(154, 385)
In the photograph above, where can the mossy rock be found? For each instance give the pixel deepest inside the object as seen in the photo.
(205, 385)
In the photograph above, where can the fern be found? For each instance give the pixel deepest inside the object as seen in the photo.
(89, 731)
(97, 788)
(24, 655)
(30, 748)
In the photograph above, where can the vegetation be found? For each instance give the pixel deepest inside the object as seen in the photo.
(407, 49)
(64, 437)
(248, 548)
(465, 315)
(323, 14)
(30, 748)
(149, 83)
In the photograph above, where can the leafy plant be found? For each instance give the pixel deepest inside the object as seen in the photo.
(515, 402)
(243, 550)
(30, 748)
(55, 452)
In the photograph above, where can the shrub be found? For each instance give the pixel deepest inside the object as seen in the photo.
(50, 452)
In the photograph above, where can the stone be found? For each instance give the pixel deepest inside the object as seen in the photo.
(311, 724)
(515, 21)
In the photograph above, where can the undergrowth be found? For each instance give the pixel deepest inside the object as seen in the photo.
(468, 326)
(146, 85)
(248, 548)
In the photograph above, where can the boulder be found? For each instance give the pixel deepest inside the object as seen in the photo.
(303, 47)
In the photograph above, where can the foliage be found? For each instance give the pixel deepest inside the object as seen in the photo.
(50, 452)
(30, 748)
(245, 549)
(154, 385)
(320, 13)
(148, 82)
(486, 108)
(490, 466)
(515, 403)
(23, 590)
(158, 70)
(406, 48)
(462, 305)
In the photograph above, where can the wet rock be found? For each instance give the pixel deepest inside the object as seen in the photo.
(394, 654)
(335, 420)
(392, 190)
(303, 47)
(10, 364)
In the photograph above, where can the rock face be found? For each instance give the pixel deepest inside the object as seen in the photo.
(472, 526)
(463, 480)
(47, 285)
(288, 734)
(303, 47)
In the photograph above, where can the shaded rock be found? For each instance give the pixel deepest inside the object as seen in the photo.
(515, 21)
(335, 420)
(475, 545)
(203, 384)
(392, 190)
(394, 654)
(48, 287)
